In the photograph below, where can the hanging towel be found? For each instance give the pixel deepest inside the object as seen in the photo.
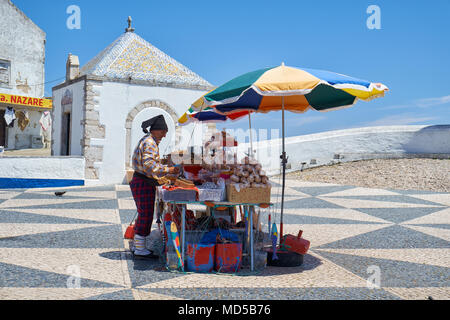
(46, 120)
(22, 120)
(9, 116)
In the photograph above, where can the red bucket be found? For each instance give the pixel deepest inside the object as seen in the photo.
(228, 257)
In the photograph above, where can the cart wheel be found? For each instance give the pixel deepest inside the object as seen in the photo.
(285, 259)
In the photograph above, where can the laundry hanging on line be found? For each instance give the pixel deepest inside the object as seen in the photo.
(9, 116)
(23, 119)
(46, 120)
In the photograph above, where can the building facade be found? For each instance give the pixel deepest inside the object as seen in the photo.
(24, 112)
(98, 110)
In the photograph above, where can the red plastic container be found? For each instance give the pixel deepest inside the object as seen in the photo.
(192, 168)
(295, 244)
(200, 257)
(228, 257)
(129, 233)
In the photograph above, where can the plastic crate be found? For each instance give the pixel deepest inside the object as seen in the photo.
(178, 195)
(211, 194)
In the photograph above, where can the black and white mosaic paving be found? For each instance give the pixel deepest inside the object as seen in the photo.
(48, 244)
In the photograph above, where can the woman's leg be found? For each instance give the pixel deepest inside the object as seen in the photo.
(144, 197)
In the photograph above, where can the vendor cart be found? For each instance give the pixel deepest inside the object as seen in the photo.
(246, 237)
(221, 186)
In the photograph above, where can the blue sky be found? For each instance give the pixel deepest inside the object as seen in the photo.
(220, 40)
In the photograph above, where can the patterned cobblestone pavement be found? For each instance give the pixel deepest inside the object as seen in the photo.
(355, 233)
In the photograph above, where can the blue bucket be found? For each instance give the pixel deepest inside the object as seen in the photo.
(200, 257)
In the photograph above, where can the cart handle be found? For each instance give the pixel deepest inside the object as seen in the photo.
(221, 208)
(209, 204)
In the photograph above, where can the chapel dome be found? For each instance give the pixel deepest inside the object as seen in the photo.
(131, 57)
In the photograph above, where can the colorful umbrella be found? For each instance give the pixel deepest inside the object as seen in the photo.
(209, 115)
(293, 89)
(198, 112)
(302, 89)
(202, 113)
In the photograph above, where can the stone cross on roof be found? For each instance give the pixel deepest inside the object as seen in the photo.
(129, 29)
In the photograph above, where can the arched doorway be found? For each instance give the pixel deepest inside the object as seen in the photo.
(143, 112)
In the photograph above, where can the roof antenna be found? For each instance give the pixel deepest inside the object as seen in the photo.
(129, 29)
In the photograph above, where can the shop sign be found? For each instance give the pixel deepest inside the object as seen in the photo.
(25, 101)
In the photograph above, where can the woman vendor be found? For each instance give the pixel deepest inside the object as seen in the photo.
(148, 171)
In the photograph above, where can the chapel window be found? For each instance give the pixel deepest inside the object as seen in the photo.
(5, 72)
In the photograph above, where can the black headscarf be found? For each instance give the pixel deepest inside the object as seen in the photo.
(155, 123)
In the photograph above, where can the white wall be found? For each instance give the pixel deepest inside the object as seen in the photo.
(22, 43)
(66, 168)
(115, 102)
(33, 128)
(353, 144)
(77, 89)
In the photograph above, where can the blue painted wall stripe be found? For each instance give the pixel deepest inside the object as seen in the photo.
(15, 183)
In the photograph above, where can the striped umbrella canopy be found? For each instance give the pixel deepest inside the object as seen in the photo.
(209, 115)
(202, 113)
(198, 112)
(295, 89)
(286, 88)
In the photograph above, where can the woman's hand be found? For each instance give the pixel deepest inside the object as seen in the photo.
(174, 170)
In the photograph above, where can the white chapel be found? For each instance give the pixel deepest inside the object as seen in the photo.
(98, 110)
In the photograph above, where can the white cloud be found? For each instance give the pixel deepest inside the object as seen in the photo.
(399, 119)
(429, 102)
(421, 103)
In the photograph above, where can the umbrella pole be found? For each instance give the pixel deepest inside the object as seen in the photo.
(250, 154)
(283, 162)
